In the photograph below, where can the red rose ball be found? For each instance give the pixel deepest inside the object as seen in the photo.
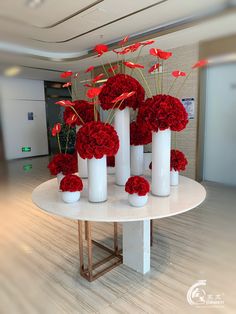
(138, 185)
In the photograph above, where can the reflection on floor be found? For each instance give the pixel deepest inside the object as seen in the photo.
(39, 256)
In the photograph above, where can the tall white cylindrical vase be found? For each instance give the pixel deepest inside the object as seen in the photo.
(161, 145)
(97, 180)
(82, 163)
(174, 177)
(122, 158)
(136, 160)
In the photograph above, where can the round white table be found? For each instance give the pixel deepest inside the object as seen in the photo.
(136, 221)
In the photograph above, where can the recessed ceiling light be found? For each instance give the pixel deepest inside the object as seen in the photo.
(34, 4)
(12, 71)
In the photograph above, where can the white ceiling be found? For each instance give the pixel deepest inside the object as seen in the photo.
(63, 29)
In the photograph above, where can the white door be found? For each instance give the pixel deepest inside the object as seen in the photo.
(220, 125)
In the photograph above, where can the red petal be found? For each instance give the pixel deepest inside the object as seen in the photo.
(66, 74)
(88, 85)
(133, 65)
(100, 49)
(65, 103)
(93, 92)
(89, 69)
(124, 40)
(154, 52)
(56, 129)
(113, 68)
(98, 77)
(178, 73)
(154, 67)
(67, 84)
(71, 119)
(149, 42)
(200, 64)
(123, 96)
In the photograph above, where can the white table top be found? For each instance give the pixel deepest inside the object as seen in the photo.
(186, 196)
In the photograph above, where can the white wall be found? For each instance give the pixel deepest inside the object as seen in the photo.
(18, 97)
(220, 126)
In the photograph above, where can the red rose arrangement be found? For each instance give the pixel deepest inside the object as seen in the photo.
(162, 112)
(84, 109)
(137, 184)
(65, 163)
(111, 161)
(96, 139)
(117, 85)
(139, 134)
(178, 161)
(71, 183)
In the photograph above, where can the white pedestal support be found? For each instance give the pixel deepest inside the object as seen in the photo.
(136, 245)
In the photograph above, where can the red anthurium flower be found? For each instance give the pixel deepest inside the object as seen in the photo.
(154, 67)
(200, 64)
(93, 92)
(123, 96)
(134, 47)
(72, 119)
(66, 74)
(98, 77)
(56, 129)
(178, 73)
(67, 84)
(65, 103)
(149, 42)
(76, 75)
(89, 69)
(124, 40)
(164, 54)
(132, 65)
(122, 52)
(113, 68)
(154, 52)
(101, 49)
(88, 85)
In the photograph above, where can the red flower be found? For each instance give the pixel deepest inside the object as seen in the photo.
(56, 129)
(113, 68)
(134, 47)
(89, 69)
(138, 185)
(98, 77)
(117, 85)
(139, 134)
(65, 163)
(66, 74)
(178, 161)
(93, 92)
(132, 65)
(162, 112)
(124, 40)
(67, 84)
(122, 52)
(111, 161)
(65, 103)
(149, 42)
(88, 85)
(160, 53)
(123, 96)
(96, 139)
(101, 49)
(178, 73)
(154, 67)
(84, 109)
(200, 63)
(71, 183)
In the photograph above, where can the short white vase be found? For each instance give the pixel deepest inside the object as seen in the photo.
(136, 200)
(161, 144)
(60, 176)
(70, 197)
(136, 160)
(82, 163)
(122, 158)
(174, 177)
(97, 180)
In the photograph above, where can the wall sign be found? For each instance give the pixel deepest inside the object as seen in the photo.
(26, 149)
(189, 104)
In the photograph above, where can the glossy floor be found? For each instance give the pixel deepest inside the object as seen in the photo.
(39, 267)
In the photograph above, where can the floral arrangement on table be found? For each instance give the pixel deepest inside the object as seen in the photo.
(138, 188)
(178, 161)
(71, 186)
(156, 116)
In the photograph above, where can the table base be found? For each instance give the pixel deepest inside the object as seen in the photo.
(88, 271)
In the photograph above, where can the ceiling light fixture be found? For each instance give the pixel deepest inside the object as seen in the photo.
(12, 71)
(34, 4)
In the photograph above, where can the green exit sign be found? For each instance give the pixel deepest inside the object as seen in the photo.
(26, 149)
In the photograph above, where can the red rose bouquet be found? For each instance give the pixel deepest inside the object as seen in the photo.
(85, 111)
(117, 85)
(137, 184)
(63, 163)
(96, 139)
(71, 183)
(162, 112)
(178, 160)
(139, 134)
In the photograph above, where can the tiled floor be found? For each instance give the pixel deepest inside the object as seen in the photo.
(39, 267)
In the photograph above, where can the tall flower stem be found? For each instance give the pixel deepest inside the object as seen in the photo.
(77, 114)
(117, 109)
(104, 69)
(136, 60)
(184, 81)
(109, 62)
(162, 77)
(67, 139)
(145, 81)
(173, 82)
(59, 144)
